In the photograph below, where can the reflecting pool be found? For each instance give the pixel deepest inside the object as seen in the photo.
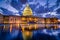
(30, 32)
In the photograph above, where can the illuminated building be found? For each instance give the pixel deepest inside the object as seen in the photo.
(27, 20)
(27, 11)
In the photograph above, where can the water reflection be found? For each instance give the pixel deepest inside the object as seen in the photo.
(28, 31)
(28, 26)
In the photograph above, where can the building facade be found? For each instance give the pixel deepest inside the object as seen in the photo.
(27, 20)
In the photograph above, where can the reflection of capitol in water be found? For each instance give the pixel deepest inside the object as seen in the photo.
(28, 26)
(27, 21)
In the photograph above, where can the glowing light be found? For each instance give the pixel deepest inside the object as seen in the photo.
(27, 33)
(23, 19)
(4, 26)
(11, 28)
(27, 11)
(36, 26)
(22, 28)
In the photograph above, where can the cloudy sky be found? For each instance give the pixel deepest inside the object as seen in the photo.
(15, 7)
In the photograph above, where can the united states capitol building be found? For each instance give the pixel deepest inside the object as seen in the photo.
(27, 20)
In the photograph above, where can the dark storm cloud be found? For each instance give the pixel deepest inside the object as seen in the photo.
(23, 1)
(38, 6)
